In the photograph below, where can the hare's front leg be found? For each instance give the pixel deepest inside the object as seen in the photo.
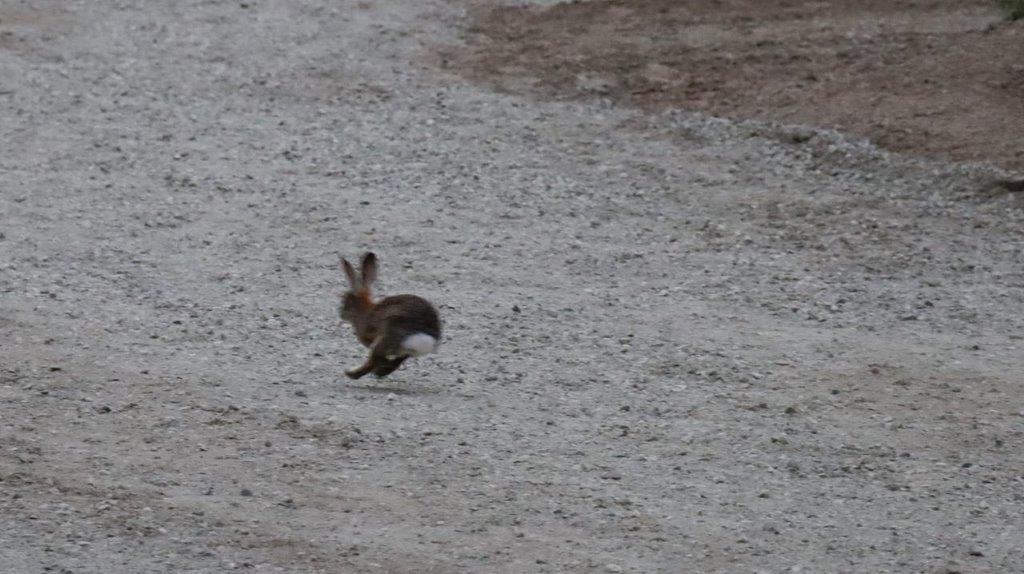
(369, 365)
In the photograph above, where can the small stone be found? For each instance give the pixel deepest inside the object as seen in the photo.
(245, 492)
(613, 568)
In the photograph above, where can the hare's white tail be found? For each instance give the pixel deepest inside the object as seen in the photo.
(419, 344)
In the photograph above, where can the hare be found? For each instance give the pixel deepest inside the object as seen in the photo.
(394, 328)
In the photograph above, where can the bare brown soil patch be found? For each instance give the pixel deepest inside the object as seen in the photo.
(22, 26)
(942, 78)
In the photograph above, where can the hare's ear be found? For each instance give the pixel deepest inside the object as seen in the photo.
(350, 272)
(369, 269)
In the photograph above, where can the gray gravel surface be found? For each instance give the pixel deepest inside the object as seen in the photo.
(673, 343)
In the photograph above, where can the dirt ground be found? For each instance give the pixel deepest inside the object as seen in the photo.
(674, 343)
(940, 78)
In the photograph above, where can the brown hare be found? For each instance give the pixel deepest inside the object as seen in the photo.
(394, 328)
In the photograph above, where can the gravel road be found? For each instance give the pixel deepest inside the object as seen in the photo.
(673, 343)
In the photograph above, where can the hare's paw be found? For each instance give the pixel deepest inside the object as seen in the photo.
(356, 373)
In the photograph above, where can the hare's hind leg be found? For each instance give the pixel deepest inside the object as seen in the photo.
(386, 366)
(379, 365)
(387, 353)
(363, 370)
(368, 366)
(371, 362)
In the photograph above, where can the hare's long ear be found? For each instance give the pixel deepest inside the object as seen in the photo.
(350, 272)
(369, 269)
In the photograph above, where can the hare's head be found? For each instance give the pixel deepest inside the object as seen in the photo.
(358, 301)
